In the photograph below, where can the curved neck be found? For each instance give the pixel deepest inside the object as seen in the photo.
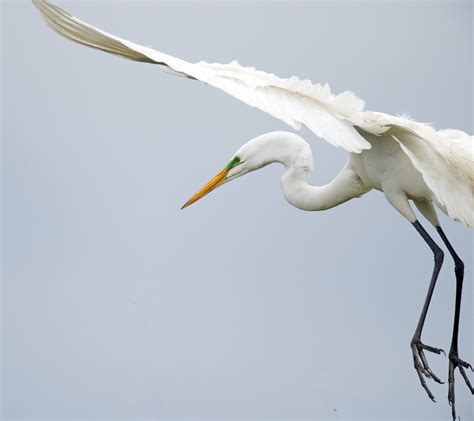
(300, 194)
(295, 154)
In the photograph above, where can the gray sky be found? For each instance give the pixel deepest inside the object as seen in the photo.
(118, 304)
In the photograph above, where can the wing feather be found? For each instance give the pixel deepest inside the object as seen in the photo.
(294, 101)
(445, 159)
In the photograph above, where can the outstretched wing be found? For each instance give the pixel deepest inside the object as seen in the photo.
(296, 102)
(445, 158)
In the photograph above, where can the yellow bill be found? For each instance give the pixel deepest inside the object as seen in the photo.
(211, 185)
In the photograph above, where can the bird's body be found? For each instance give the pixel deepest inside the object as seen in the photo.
(392, 168)
(384, 161)
(406, 160)
(384, 167)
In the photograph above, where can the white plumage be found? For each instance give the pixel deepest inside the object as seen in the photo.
(406, 160)
(292, 100)
(444, 158)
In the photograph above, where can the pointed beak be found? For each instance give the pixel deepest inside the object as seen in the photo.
(211, 185)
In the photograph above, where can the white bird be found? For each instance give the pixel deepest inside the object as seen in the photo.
(406, 160)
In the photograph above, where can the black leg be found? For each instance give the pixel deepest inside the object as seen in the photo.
(417, 347)
(454, 360)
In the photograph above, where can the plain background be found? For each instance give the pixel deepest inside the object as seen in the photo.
(118, 304)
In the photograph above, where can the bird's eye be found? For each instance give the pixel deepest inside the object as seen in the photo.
(237, 159)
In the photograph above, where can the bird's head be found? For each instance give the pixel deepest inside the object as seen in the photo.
(256, 153)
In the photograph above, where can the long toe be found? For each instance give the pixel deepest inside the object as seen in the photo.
(427, 367)
(422, 367)
(456, 362)
(422, 373)
(466, 379)
(431, 349)
(423, 384)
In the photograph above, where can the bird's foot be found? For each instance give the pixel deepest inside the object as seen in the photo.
(456, 362)
(421, 364)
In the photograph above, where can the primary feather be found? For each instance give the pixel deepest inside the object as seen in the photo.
(294, 101)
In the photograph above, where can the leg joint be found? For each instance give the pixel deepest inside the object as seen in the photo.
(459, 266)
(438, 255)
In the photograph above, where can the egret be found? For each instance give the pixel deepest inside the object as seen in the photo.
(409, 162)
